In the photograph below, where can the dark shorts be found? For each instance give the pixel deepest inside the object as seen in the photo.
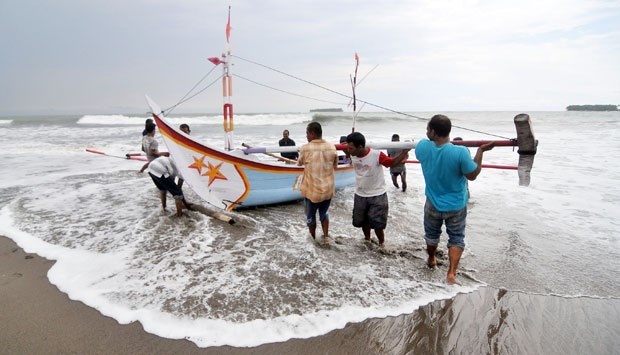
(403, 173)
(310, 208)
(167, 184)
(370, 211)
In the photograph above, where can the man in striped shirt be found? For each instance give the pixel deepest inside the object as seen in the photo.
(319, 159)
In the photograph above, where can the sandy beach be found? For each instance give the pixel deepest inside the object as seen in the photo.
(36, 318)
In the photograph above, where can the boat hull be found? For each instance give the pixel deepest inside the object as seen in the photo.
(234, 179)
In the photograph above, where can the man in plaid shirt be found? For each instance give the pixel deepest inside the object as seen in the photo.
(319, 159)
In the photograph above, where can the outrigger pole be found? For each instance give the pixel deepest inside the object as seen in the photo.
(525, 141)
(127, 156)
(226, 89)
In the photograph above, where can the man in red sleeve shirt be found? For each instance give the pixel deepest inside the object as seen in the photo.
(370, 205)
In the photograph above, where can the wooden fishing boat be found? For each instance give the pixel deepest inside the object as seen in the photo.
(231, 179)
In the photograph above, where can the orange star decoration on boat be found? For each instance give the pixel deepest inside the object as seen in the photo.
(198, 164)
(214, 173)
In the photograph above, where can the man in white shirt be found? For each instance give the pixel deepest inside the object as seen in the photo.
(370, 204)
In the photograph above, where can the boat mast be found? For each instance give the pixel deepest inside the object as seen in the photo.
(353, 86)
(227, 91)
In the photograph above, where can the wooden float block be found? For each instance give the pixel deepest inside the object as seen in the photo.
(528, 145)
(525, 135)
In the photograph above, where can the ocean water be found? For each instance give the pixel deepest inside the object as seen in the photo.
(264, 280)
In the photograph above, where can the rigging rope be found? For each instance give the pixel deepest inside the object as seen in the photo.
(183, 99)
(287, 92)
(351, 98)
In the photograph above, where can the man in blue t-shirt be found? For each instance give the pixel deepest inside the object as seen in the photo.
(446, 169)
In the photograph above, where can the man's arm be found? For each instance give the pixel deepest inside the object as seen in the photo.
(478, 159)
(401, 157)
(388, 162)
(300, 158)
(157, 153)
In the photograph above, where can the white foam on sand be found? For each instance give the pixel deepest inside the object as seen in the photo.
(96, 281)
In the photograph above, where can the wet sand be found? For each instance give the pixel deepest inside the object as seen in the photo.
(36, 318)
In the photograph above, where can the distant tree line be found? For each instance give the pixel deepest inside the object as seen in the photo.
(592, 108)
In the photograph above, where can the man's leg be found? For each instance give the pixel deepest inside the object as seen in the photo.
(381, 236)
(377, 215)
(312, 230)
(455, 227)
(394, 181)
(432, 232)
(310, 211)
(366, 230)
(432, 260)
(323, 206)
(403, 179)
(360, 218)
(179, 204)
(454, 254)
(162, 197)
(325, 226)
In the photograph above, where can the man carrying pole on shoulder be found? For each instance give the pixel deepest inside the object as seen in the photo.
(319, 159)
(446, 169)
(370, 204)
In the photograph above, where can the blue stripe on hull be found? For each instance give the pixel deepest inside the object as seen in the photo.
(267, 188)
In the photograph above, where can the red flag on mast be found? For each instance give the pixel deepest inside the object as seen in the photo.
(228, 27)
(214, 60)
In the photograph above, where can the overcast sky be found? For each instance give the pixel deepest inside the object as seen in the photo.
(76, 56)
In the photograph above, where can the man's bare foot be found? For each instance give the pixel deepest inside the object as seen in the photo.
(431, 262)
(451, 279)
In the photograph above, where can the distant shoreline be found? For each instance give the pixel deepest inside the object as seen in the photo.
(592, 108)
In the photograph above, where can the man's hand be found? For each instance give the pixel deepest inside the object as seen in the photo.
(488, 146)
